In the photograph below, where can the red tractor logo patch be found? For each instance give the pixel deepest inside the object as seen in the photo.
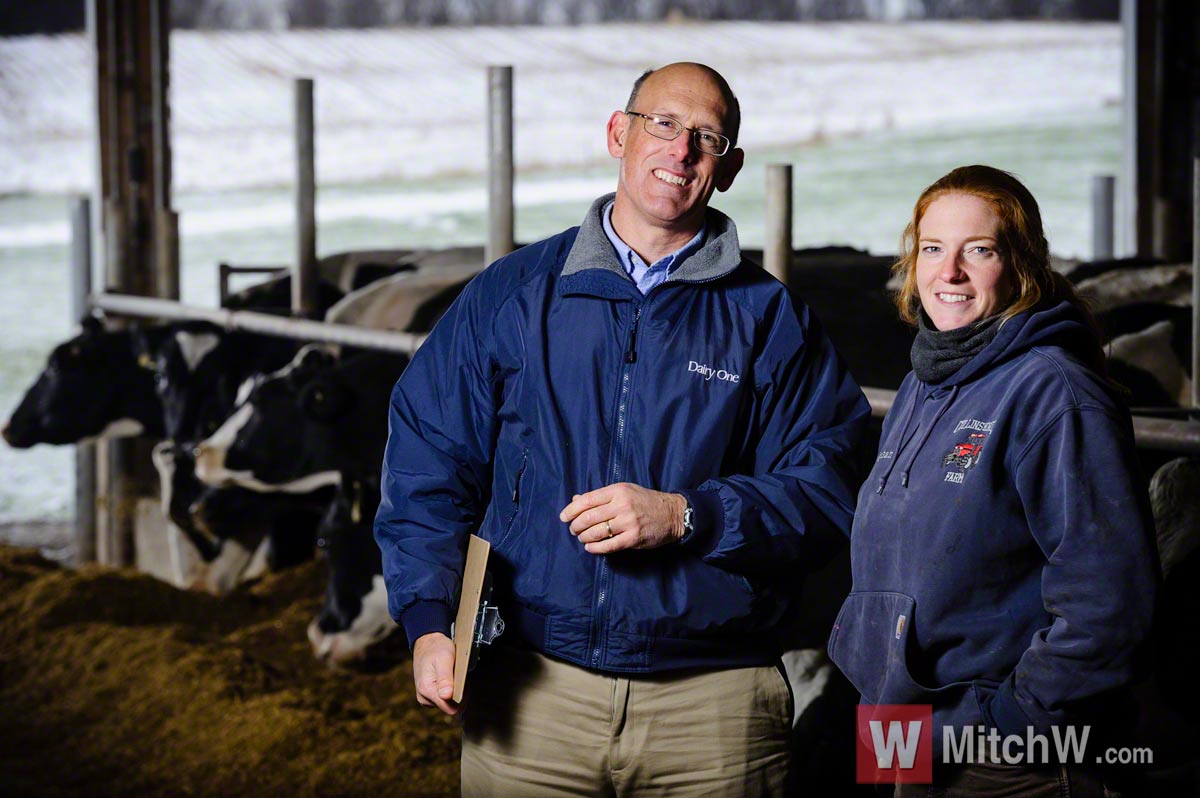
(966, 454)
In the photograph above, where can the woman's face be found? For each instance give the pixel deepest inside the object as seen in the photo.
(961, 278)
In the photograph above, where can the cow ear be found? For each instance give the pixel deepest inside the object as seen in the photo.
(92, 323)
(311, 361)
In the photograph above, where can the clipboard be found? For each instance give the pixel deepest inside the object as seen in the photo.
(477, 622)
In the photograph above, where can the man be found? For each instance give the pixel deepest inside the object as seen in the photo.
(656, 438)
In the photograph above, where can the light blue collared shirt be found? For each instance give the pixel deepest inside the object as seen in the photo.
(646, 277)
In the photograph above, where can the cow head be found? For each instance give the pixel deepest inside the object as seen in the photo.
(179, 491)
(209, 516)
(289, 520)
(355, 614)
(282, 435)
(188, 369)
(92, 385)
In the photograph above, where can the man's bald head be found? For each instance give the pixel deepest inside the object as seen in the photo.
(733, 110)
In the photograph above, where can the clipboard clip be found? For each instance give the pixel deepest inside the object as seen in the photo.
(488, 623)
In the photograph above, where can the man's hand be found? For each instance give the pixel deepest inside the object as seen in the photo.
(625, 516)
(433, 671)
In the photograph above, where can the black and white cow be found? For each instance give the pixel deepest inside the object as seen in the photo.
(307, 425)
(198, 369)
(354, 615)
(237, 533)
(93, 385)
(176, 381)
(320, 422)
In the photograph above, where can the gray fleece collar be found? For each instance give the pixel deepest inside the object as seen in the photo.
(719, 255)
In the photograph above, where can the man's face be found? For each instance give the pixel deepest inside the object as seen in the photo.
(667, 184)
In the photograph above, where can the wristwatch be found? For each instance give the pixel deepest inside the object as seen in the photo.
(689, 516)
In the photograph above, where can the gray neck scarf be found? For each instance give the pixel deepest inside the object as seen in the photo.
(937, 354)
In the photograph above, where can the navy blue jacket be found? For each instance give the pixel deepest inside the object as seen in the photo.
(1002, 552)
(552, 375)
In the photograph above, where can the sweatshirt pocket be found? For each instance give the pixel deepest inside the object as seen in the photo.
(869, 644)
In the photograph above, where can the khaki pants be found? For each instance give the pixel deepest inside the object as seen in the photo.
(534, 726)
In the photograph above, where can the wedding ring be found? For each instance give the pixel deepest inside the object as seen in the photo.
(608, 526)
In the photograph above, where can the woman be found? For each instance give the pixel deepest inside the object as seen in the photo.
(1002, 551)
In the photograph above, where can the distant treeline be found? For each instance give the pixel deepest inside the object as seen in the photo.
(52, 16)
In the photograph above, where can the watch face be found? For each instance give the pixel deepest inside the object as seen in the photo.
(687, 517)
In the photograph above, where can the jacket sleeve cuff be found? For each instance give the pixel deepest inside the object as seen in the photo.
(424, 617)
(708, 521)
(1005, 714)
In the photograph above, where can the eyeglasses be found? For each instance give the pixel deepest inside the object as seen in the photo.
(668, 129)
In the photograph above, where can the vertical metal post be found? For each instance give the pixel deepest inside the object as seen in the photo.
(1196, 282)
(166, 259)
(85, 453)
(777, 248)
(304, 270)
(1103, 216)
(1138, 127)
(500, 163)
(159, 24)
(114, 457)
(132, 69)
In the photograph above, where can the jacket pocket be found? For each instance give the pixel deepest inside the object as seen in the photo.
(516, 500)
(870, 641)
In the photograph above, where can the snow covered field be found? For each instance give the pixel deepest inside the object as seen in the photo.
(867, 113)
(410, 104)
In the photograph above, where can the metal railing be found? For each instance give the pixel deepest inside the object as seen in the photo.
(282, 326)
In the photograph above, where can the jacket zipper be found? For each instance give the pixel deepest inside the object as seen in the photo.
(516, 497)
(618, 456)
(517, 481)
(631, 355)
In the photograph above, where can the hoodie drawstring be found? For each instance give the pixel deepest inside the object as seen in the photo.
(928, 430)
(904, 438)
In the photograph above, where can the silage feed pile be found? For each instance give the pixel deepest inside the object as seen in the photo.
(115, 684)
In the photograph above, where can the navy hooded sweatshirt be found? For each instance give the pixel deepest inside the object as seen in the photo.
(1002, 551)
